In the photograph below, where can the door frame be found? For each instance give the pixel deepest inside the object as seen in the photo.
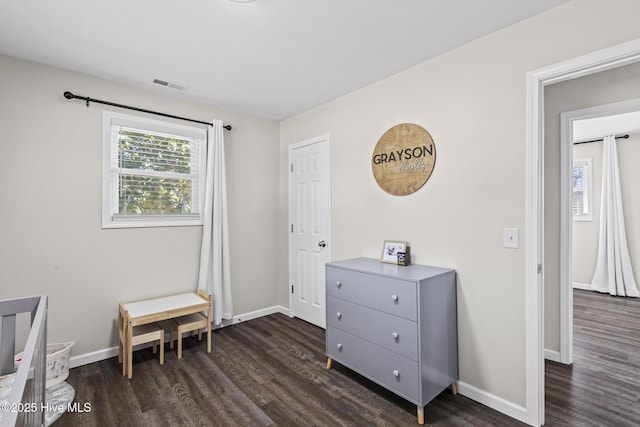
(602, 60)
(325, 140)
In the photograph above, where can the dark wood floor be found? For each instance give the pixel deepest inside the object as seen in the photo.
(602, 387)
(271, 371)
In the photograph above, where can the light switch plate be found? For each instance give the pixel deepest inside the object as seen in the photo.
(511, 239)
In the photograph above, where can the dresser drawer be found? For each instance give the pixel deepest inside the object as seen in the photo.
(393, 296)
(391, 332)
(395, 372)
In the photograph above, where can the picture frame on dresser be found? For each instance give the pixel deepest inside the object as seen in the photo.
(390, 250)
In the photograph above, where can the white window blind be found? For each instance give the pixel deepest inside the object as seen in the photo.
(154, 173)
(581, 178)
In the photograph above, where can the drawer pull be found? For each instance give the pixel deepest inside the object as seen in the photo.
(339, 284)
(396, 373)
(339, 346)
(394, 297)
(339, 315)
(395, 335)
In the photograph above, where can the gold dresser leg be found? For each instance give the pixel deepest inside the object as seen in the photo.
(421, 415)
(329, 361)
(454, 388)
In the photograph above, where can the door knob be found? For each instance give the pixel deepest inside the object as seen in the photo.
(322, 243)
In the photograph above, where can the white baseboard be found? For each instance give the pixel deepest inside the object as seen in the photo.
(95, 356)
(582, 286)
(253, 315)
(107, 353)
(493, 401)
(552, 355)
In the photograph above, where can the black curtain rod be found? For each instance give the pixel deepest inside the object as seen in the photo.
(600, 140)
(70, 95)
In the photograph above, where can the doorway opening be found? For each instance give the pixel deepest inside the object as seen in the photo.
(613, 57)
(621, 118)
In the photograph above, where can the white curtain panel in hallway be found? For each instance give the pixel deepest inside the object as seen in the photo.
(215, 276)
(613, 272)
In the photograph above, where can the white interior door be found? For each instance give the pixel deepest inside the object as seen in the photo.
(309, 227)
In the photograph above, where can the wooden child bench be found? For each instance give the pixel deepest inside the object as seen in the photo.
(155, 310)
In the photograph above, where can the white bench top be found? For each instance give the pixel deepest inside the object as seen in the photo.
(159, 305)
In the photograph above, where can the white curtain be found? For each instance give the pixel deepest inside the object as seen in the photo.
(613, 272)
(215, 277)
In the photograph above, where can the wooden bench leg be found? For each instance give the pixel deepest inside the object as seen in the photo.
(129, 349)
(421, 415)
(120, 337)
(124, 359)
(454, 388)
(329, 362)
(171, 337)
(129, 362)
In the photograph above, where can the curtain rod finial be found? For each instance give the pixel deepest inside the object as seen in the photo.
(68, 95)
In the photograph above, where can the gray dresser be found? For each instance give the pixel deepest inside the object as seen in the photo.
(395, 325)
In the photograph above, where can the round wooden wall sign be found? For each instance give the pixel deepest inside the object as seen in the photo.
(403, 159)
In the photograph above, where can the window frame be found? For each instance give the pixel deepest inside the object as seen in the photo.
(587, 189)
(110, 192)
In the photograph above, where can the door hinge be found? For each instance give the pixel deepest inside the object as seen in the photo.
(292, 228)
(291, 288)
(291, 167)
(539, 268)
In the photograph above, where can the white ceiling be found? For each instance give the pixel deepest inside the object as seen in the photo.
(599, 127)
(270, 58)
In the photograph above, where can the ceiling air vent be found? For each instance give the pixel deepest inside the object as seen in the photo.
(175, 86)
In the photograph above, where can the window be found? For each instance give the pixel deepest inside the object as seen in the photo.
(582, 206)
(152, 172)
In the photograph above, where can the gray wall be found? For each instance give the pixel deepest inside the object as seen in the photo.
(473, 102)
(51, 241)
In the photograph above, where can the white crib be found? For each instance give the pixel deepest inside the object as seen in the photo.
(22, 391)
